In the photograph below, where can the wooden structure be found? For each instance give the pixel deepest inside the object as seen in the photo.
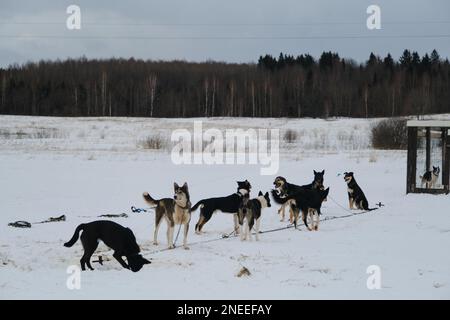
(426, 130)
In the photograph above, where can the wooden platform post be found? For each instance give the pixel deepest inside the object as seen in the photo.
(428, 149)
(445, 160)
(411, 160)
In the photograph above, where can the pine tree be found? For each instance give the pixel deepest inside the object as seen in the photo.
(388, 62)
(435, 58)
(405, 59)
(415, 60)
(373, 60)
(425, 63)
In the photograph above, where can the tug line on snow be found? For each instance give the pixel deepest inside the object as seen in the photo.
(233, 234)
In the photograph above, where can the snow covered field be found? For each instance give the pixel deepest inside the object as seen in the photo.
(86, 167)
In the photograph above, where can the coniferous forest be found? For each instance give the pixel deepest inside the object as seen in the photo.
(283, 86)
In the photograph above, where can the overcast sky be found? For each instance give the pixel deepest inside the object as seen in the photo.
(230, 30)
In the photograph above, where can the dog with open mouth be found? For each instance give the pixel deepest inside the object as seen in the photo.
(286, 189)
(308, 201)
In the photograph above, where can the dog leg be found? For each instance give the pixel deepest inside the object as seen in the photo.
(118, 257)
(89, 246)
(296, 213)
(317, 222)
(281, 212)
(352, 204)
(236, 223)
(258, 223)
(155, 234)
(186, 230)
(205, 215)
(88, 261)
(305, 218)
(158, 219)
(83, 263)
(291, 215)
(170, 227)
(199, 224)
(250, 227)
(315, 219)
(243, 228)
(297, 216)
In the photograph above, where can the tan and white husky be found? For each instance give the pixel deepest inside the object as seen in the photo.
(176, 211)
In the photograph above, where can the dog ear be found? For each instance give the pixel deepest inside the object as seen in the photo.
(323, 171)
(315, 172)
(176, 186)
(185, 186)
(266, 194)
(260, 194)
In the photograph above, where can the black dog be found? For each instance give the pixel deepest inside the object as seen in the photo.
(317, 182)
(286, 189)
(308, 201)
(118, 238)
(230, 204)
(355, 194)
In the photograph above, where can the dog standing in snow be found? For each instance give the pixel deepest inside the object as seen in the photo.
(429, 178)
(176, 211)
(251, 212)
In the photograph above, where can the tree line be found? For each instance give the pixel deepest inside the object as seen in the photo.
(283, 86)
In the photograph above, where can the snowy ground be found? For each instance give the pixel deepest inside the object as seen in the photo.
(86, 167)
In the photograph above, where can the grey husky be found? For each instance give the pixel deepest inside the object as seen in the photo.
(176, 211)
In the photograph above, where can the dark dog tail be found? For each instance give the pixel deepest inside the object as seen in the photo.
(198, 204)
(279, 199)
(371, 209)
(148, 198)
(75, 236)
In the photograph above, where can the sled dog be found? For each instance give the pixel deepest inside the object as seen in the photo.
(176, 211)
(229, 204)
(251, 212)
(115, 236)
